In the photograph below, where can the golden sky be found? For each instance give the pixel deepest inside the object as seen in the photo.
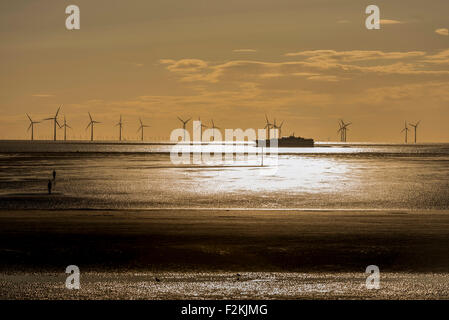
(307, 62)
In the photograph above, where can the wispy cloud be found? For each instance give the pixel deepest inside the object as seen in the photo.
(316, 65)
(353, 55)
(42, 95)
(244, 50)
(390, 21)
(442, 32)
(184, 65)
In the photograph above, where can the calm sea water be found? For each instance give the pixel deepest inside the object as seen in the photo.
(141, 176)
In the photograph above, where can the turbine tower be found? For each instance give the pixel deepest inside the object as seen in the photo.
(340, 130)
(32, 123)
(213, 128)
(91, 125)
(120, 125)
(184, 123)
(55, 122)
(268, 126)
(415, 126)
(201, 129)
(279, 127)
(141, 128)
(406, 129)
(65, 126)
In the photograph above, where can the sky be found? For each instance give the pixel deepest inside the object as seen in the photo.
(308, 63)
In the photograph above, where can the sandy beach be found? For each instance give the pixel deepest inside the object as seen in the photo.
(229, 240)
(279, 253)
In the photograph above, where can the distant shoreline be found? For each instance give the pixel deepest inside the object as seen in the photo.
(136, 142)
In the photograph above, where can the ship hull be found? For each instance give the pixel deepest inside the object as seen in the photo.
(287, 143)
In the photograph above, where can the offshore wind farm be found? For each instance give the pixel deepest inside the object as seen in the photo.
(273, 130)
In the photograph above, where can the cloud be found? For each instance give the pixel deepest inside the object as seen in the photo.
(244, 50)
(41, 95)
(442, 32)
(390, 21)
(353, 55)
(324, 78)
(441, 57)
(184, 65)
(322, 65)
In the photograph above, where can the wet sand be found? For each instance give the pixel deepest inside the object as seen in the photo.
(279, 253)
(222, 285)
(235, 240)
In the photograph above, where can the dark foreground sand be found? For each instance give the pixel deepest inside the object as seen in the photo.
(280, 254)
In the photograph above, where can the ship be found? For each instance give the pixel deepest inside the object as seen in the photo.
(287, 142)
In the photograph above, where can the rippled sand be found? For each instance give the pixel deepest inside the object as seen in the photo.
(216, 285)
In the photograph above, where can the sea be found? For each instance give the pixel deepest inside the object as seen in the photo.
(131, 175)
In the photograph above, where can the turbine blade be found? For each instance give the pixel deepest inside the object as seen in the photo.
(57, 112)
(90, 116)
(29, 117)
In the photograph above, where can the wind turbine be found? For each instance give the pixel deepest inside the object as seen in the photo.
(31, 126)
(268, 126)
(65, 126)
(55, 119)
(343, 128)
(213, 128)
(201, 129)
(415, 126)
(120, 124)
(184, 122)
(141, 128)
(406, 129)
(91, 124)
(278, 127)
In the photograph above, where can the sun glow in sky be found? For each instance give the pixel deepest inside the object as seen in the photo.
(308, 62)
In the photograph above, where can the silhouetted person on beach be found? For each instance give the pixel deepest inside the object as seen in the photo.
(49, 186)
(54, 179)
